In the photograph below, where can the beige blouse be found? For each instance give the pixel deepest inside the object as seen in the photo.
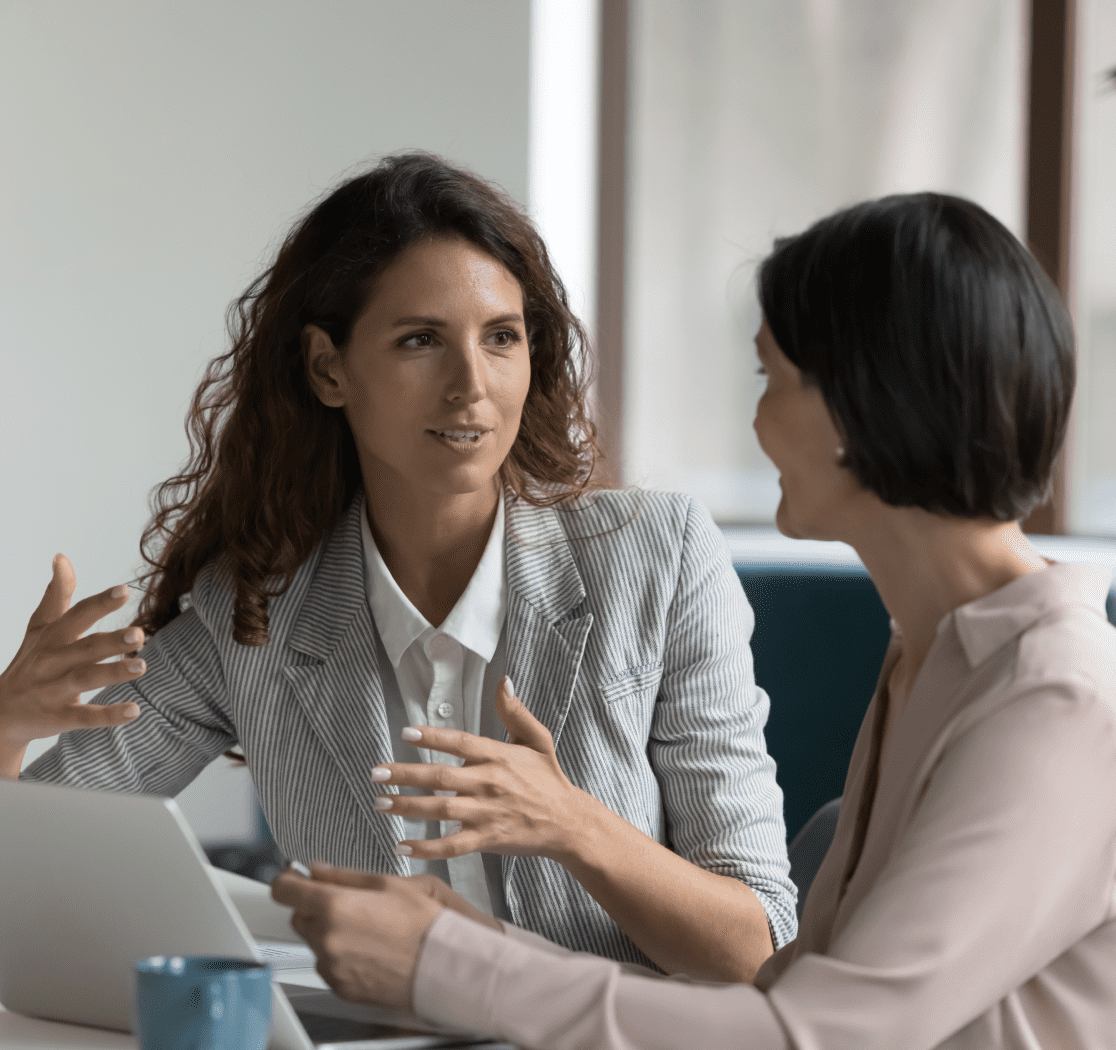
(968, 897)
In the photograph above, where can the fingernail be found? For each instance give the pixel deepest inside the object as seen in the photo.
(136, 666)
(403, 851)
(132, 635)
(120, 591)
(411, 733)
(131, 711)
(382, 802)
(510, 685)
(300, 868)
(379, 773)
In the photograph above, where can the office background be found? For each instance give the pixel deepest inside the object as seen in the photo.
(154, 155)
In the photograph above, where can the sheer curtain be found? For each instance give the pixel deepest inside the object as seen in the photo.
(1093, 490)
(750, 119)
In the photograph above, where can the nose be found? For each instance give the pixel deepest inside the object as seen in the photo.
(466, 380)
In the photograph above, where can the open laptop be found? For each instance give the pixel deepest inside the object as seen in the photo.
(91, 881)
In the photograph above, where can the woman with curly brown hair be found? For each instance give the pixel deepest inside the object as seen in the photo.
(391, 513)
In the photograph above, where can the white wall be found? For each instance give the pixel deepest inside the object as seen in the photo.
(153, 156)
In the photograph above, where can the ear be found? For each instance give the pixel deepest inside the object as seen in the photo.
(323, 365)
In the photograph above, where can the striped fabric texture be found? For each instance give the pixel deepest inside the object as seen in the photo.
(627, 636)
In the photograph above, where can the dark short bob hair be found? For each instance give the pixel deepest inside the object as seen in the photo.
(942, 350)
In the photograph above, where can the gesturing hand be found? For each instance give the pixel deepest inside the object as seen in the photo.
(366, 930)
(40, 691)
(510, 798)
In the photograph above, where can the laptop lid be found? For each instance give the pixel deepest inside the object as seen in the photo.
(91, 881)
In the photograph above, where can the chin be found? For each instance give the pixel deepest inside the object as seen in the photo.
(783, 521)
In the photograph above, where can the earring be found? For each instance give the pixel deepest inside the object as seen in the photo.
(840, 452)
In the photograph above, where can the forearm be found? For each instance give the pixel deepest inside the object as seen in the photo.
(686, 919)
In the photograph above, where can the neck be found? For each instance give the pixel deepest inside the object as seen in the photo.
(431, 542)
(926, 565)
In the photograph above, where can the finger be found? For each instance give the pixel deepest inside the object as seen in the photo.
(96, 716)
(86, 677)
(432, 776)
(56, 598)
(468, 840)
(76, 621)
(522, 726)
(433, 807)
(361, 880)
(450, 742)
(306, 896)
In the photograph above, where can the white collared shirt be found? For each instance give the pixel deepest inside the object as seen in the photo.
(446, 676)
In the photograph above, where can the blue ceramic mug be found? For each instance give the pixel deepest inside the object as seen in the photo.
(201, 1002)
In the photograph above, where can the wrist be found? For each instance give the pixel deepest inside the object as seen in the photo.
(584, 828)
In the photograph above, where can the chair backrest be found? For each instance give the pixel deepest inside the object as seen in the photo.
(821, 632)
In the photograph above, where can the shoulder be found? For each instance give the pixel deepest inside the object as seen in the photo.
(634, 516)
(213, 595)
(1074, 647)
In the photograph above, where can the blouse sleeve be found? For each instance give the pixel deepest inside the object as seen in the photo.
(182, 725)
(1008, 863)
(723, 806)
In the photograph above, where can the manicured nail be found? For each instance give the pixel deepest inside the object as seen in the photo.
(301, 869)
(136, 666)
(382, 802)
(403, 851)
(132, 635)
(411, 733)
(120, 591)
(509, 685)
(131, 711)
(381, 774)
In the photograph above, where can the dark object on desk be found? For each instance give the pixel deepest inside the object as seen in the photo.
(261, 861)
(821, 632)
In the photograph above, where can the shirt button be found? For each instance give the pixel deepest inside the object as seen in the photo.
(441, 645)
(445, 710)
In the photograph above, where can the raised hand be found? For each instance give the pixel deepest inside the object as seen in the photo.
(510, 798)
(40, 691)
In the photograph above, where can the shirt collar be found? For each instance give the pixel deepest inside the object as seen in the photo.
(475, 621)
(988, 623)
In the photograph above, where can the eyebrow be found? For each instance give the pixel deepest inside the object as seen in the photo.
(436, 322)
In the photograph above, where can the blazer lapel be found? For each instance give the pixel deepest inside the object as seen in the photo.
(341, 693)
(545, 644)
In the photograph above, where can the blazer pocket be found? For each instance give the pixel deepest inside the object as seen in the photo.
(637, 680)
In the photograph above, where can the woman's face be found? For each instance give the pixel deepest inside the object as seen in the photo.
(440, 346)
(798, 434)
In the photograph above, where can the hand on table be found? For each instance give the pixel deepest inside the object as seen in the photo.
(510, 798)
(40, 691)
(367, 930)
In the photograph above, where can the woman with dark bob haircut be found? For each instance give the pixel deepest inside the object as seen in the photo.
(391, 514)
(919, 373)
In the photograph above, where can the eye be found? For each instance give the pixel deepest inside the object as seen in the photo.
(506, 337)
(418, 340)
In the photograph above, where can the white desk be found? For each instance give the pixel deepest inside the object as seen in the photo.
(29, 1033)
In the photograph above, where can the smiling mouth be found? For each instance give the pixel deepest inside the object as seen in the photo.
(459, 435)
(459, 440)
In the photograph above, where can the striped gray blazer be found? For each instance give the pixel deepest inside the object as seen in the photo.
(627, 636)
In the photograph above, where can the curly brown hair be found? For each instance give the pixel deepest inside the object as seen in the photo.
(271, 468)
